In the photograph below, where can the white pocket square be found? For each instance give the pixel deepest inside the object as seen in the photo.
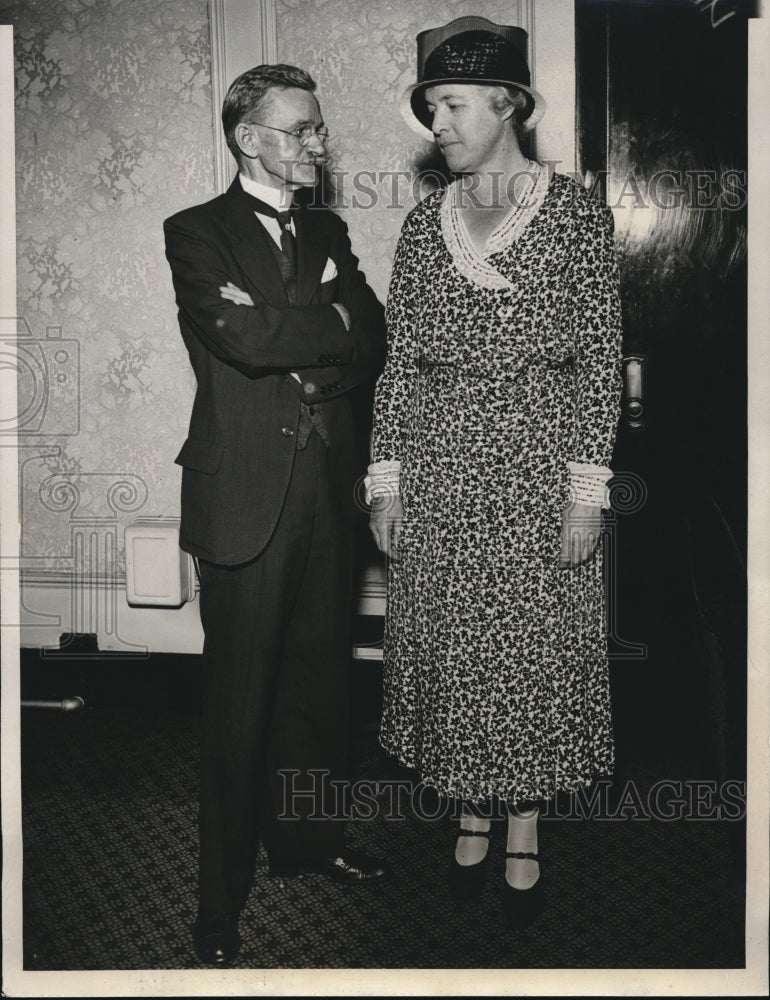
(330, 271)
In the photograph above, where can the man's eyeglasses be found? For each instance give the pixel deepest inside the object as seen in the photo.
(303, 134)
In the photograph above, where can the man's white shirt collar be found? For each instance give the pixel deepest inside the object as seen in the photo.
(277, 198)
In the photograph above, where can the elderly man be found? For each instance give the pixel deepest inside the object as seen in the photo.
(280, 326)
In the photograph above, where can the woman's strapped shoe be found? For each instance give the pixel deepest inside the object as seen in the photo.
(467, 881)
(523, 906)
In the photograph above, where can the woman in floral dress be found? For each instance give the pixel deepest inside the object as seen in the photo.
(494, 428)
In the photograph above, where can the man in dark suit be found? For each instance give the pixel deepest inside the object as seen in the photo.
(280, 326)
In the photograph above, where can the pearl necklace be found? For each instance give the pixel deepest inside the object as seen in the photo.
(472, 264)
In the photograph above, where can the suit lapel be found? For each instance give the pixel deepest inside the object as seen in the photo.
(252, 246)
(312, 253)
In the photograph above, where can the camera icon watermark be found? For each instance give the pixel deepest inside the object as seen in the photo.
(47, 380)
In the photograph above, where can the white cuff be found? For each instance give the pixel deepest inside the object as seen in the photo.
(588, 484)
(382, 479)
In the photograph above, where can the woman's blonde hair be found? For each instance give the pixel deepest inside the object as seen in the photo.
(501, 98)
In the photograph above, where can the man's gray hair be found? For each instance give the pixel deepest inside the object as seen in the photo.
(247, 93)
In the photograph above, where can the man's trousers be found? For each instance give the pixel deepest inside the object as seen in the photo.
(275, 689)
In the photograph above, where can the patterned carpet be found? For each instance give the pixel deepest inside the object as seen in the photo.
(109, 805)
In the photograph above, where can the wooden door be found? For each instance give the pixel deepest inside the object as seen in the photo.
(662, 132)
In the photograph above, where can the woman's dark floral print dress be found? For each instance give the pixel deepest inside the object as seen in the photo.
(502, 368)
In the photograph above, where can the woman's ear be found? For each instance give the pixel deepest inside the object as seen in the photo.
(502, 105)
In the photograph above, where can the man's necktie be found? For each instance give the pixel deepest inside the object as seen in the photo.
(287, 259)
(288, 246)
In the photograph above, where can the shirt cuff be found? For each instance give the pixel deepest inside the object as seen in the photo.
(588, 484)
(382, 480)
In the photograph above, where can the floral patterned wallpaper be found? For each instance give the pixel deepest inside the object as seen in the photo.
(113, 134)
(363, 56)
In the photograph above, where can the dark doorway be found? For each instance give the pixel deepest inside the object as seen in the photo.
(662, 93)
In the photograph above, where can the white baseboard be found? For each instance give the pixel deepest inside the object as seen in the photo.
(52, 604)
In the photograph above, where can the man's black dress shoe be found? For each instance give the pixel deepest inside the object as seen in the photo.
(216, 941)
(349, 868)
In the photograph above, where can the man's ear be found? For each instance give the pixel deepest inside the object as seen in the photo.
(246, 140)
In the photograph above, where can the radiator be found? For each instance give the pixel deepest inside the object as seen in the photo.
(158, 573)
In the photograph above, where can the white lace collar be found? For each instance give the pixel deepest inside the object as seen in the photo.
(471, 263)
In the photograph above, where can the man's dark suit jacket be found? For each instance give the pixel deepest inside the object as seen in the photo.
(238, 457)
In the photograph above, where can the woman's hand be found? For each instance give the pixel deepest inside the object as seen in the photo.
(386, 522)
(234, 294)
(581, 526)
